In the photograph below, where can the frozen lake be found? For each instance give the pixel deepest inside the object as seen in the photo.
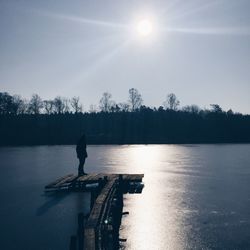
(195, 196)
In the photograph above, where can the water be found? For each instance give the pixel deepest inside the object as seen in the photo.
(195, 196)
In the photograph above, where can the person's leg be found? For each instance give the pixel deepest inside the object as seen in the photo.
(80, 167)
(83, 162)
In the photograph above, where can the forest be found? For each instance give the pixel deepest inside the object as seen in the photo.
(63, 121)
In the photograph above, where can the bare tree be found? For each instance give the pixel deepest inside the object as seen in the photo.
(135, 99)
(92, 108)
(48, 106)
(59, 105)
(124, 106)
(75, 103)
(35, 104)
(171, 102)
(19, 104)
(106, 103)
(66, 103)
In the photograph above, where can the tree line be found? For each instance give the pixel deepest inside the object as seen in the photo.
(17, 105)
(62, 121)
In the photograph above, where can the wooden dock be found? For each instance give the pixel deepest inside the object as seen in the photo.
(100, 229)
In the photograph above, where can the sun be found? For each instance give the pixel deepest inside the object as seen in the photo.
(144, 27)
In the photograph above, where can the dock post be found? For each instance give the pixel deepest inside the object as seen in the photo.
(93, 195)
(80, 231)
(72, 245)
(105, 180)
(121, 189)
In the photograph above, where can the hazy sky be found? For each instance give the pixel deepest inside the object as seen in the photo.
(198, 49)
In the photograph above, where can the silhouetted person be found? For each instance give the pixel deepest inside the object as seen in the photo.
(81, 154)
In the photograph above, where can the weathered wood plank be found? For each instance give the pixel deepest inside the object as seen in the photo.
(89, 239)
(88, 178)
(112, 176)
(100, 176)
(93, 177)
(96, 211)
(83, 178)
(67, 180)
(57, 180)
(133, 177)
(103, 175)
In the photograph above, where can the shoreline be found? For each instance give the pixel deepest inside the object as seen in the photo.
(127, 144)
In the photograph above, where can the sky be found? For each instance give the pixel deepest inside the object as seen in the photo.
(197, 49)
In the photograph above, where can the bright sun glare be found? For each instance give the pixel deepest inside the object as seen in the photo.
(144, 27)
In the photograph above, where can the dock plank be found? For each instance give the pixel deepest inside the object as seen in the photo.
(69, 179)
(92, 233)
(96, 211)
(82, 178)
(93, 177)
(57, 181)
(86, 178)
(133, 177)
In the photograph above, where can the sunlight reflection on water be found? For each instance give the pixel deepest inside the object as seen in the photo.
(184, 186)
(155, 213)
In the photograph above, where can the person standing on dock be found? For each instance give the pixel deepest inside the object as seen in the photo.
(81, 154)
